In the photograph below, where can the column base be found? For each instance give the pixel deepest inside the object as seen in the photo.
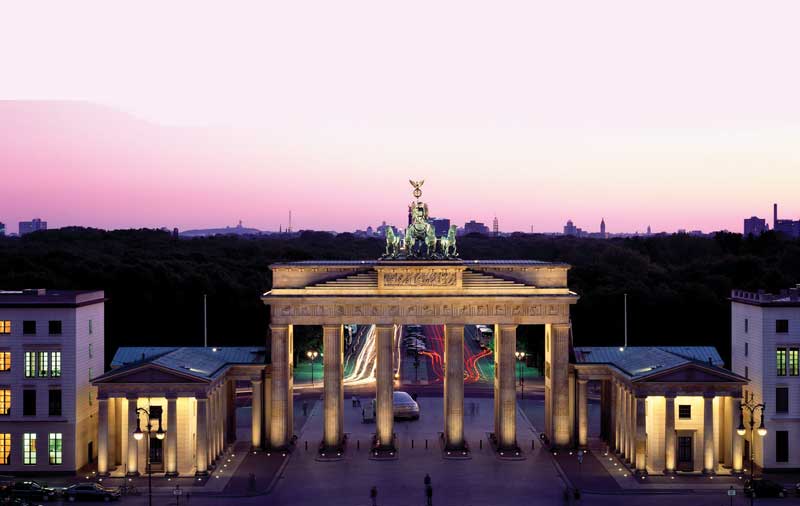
(201, 474)
(132, 474)
(332, 452)
(173, 474)
(709, 472)
(505, 452)
(103, 475)
(640, 472)
(737, 472)
(454, 451)
(383, 452)
(668, 472)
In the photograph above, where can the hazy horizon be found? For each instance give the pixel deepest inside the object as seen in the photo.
(195, 115)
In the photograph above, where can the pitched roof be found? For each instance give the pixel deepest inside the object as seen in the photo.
(200, 362)
(642, 361)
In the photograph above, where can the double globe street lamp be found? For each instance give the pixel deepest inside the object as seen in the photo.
(312, 355)
(138, 434)
(752, 407)
(520, 357)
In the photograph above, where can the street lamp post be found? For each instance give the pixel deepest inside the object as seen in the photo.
(138, 435)
(752, 407)
(312, 354)
(520, 357)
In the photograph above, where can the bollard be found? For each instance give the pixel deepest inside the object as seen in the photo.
(426, 444)
(358, 444)
(412, 444)
(306, 444)
(480, 445)
(532, 441)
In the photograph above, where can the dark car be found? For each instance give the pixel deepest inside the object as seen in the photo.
(91, 492)
(32, 490)
(763, 488)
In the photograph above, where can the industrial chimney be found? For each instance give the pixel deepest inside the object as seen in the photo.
(774, 216)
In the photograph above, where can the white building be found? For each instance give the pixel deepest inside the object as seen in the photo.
(51, 343)
(765, 334)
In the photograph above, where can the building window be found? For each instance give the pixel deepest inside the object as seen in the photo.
(29, 448)
(91, 328)
(30, 364)
(781, 446)
(685, 411)
(5, 449)
(54, 327)
(43, 370)
(746, 349)
(54, 443)
(90, 374)
(29, 327)
(5, 360)
(54, 403)
(746, 325)
(794, 361)
(780, 361)
(5, 326)
(782, 400)
(5, 401)
(55, 364)
(781, 326)
(29, 402)
(90, 351)
(746, 372)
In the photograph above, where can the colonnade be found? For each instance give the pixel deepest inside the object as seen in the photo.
(210, 412)
(279, 418)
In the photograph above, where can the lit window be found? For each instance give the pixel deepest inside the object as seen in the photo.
(43, 370)
(30, 364)
(5, 360)
(5, 449)
(685, 411)
(54, 442)
(5, 326)
(794, 361)
(5, 401)
(780, 359)
(29, 448)
(55, 364)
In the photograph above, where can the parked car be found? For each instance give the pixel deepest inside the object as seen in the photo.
(404, 406)
(33, 491)
(368, 412)
(797, 488)
(91, 492)
(761, 487)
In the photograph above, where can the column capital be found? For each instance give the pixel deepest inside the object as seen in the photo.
(582, 381)
(709, 395)
(171, 396)
(102, 396)
(132, 397)
(670, 395)
(201, 398)
(256, 381)
(641, 395)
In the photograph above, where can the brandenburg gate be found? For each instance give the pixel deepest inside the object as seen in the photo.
(420, 280)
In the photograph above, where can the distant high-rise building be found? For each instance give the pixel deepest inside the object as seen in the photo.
(475, 227)
(603, 227)
(2, 229)
(789, 228)
(26, 227)
(440, 225)
(495, 227)
(649, 231)
(755, 226)
(571, 229)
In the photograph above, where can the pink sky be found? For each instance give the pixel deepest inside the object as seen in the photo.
(193, 114)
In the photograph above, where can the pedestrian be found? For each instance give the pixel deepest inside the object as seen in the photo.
(353, 401)
(251, 483)
(305, 408)
(373, 494)
(427, 479)
(429, 494)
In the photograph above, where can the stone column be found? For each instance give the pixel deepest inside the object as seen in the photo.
(102, 436)
(631, 428)
(559, 384)
(641, 435)
(171, 463)
(133, 445)
(384, 337)
(669, 434)
(454, 387)
(623, 426)
(267, 411)
(583, 420)
(280, 420)
(505, 339)
(618, 416)
(201, 443)
(709, 461)
(737, 441)
(255, 413)
(213, 402)
(332, 378)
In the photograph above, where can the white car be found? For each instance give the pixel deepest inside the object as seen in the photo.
(404, 406)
